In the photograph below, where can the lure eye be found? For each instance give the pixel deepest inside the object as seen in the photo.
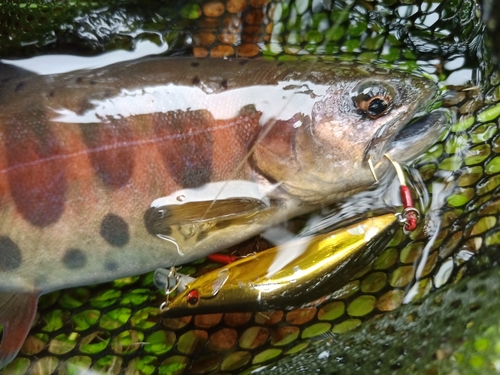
(193, 297)
(372, 99)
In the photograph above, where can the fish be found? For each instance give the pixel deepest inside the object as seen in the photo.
(119, 170)
(287, 275)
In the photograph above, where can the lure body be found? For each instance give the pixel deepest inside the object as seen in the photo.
(116, 171)
(288, 275)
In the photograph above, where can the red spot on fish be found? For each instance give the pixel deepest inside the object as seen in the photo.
(36, 171)
(109, 150)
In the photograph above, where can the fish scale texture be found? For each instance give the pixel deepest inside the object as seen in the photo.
(116, 328)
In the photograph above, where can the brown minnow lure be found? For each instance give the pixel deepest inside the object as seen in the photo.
(117, 171)
(288, 275)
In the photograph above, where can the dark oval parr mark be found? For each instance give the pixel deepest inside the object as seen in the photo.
(10, 254)
(187, 149)
(114, 230)
(36, 170)
(111, 158)
(111, 266)
(74, 259)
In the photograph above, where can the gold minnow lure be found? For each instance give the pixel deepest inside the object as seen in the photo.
(287, 275)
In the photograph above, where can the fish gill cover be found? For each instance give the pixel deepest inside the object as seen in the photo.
(116, 328)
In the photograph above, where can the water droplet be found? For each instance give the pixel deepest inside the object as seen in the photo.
(463, 256)
(444, 273)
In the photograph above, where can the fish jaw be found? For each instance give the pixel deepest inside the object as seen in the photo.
(420, 135)
(344, 135)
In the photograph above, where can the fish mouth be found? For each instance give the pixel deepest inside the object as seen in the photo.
(417, 136)
(427, 124)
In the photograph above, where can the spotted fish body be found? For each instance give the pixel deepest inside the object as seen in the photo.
(84, 156)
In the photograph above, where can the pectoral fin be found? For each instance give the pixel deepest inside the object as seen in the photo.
(17, 311)
(193, 217)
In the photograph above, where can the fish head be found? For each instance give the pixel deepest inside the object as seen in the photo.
(356, 121)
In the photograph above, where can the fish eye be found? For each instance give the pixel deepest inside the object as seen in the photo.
(377, 106)
(372, 99)
(193, 297)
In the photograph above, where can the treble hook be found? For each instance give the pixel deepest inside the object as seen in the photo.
(173, 275)
(410, 214)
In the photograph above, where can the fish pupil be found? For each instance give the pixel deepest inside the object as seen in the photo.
(193, 297)
(377, 107)
(372, 98)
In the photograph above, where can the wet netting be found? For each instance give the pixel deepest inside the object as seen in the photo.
(450, 324)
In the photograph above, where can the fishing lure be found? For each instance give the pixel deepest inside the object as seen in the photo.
(287, 275)
(291, 273)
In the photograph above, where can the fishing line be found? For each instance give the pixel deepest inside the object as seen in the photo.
(372, 169)
(344, 13)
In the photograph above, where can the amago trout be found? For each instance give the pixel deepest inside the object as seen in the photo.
(117, 171)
